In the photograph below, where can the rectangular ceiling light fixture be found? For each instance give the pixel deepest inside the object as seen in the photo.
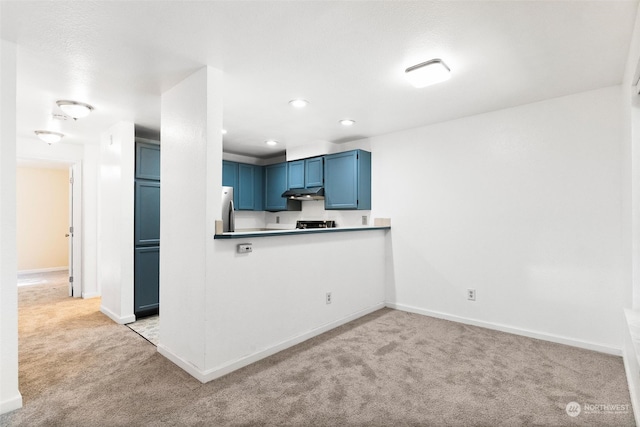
(428, 73)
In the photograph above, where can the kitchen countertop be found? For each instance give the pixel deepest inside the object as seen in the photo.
(268, 233)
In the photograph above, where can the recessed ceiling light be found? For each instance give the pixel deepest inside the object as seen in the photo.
(224, 131)
(427, 73)
(299, 103)
(347, 122)
(48, 136)
(75, 109)
(271, 142)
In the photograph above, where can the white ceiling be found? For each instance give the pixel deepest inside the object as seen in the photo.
(347, 58)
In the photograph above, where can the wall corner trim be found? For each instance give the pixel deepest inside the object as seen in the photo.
(11, 404)
(631, 360)
(510, 329)
(118, 319)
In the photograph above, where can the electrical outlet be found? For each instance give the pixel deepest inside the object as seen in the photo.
(471, 294)
(277, 220)
(365, 220)
(328, 298)
(245, 248)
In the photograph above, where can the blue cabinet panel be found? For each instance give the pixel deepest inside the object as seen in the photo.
(147, 161)
(246, 187)
(276, 183)
(146, 299)
(314, 172)
(147, 213)
(348, 180)
(295, 176)
(230, 178)
(258, 188)
(247, 182)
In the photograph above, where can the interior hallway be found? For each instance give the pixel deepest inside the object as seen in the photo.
(77, 367)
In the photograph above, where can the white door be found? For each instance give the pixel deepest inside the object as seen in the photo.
(75, 284)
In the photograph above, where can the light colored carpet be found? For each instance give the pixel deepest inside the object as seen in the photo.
(148, 328)
(390, 368)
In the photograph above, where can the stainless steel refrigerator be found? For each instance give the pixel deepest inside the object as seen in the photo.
(228, 214)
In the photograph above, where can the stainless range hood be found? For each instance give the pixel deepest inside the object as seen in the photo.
(315, 193)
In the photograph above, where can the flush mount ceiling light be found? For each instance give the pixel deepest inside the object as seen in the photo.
(224, 131)
(299, 103)
(271, 142)
(75, 109)
(427, 73)
(347, 122)
(48, 136)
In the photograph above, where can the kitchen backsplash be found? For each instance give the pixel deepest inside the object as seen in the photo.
(310, 210)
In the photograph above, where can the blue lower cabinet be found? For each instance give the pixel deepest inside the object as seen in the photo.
(146, 298)
(276, 183)
(347, 180)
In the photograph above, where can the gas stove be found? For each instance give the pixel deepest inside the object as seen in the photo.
(305, 224)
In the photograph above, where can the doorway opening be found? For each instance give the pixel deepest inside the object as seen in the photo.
(48, 217)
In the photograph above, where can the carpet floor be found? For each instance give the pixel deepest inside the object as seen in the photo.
(390, 368)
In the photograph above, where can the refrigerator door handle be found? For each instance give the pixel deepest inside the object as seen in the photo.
(232, 217)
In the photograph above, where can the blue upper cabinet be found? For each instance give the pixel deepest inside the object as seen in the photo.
(275, 183)
(295, 174)
(347, 180)
(229, 174)
(314, 172)
(147, 161)
(247, 183)
(250, 187)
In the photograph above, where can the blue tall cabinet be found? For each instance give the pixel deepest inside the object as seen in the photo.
(146, 286)
(347, 180)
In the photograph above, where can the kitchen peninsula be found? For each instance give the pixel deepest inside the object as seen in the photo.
(267, 233)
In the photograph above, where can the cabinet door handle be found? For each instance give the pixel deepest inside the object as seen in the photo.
(66, 235)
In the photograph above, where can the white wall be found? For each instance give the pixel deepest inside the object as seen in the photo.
(190, 202)
(43, 241)
(90, 191)
(115, 221)
(273, 298)
(524, 205)
(10, 397)
(631, 127)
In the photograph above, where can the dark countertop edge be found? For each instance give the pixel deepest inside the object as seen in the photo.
(273, 233)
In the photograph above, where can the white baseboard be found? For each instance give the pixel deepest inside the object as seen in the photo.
(11, 404)
(217, 372)
(42, 270)
(89, 295)
(118, 319)
(510, 329)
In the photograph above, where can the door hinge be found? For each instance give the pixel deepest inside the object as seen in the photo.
(71, 180)
(70, 279)
(71, 230)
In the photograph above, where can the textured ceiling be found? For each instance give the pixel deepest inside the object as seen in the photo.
(347, 58)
